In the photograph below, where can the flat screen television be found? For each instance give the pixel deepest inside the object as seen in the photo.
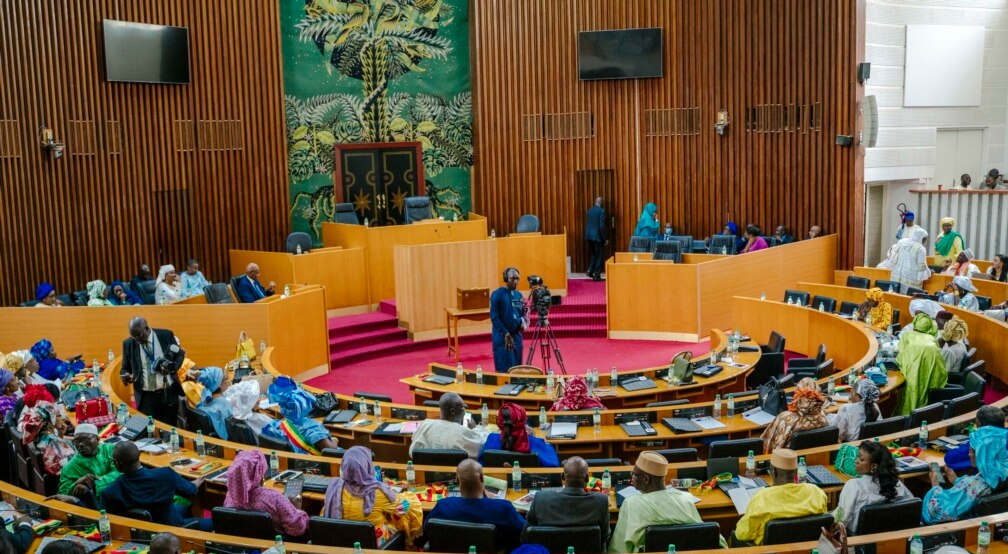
(144, 53)
(620, 54)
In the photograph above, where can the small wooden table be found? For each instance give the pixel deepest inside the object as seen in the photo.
(453, 317)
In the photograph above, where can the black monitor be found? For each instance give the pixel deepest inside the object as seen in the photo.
(144, 53)
(620, 54)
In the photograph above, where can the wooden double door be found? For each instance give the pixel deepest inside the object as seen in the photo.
(377, 178)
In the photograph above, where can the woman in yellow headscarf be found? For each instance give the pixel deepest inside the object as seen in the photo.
(952, 341)
(949, 243)
(879, 310)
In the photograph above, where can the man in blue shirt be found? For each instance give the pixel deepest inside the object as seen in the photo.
(474, 507)
(507, 312)
(249, 287)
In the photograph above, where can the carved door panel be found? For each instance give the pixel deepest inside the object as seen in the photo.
(377, 178)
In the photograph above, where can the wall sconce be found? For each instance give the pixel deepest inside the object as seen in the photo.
(48, 142)
(722, 122)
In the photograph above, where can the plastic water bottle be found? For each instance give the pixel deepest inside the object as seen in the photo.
(916, 545)
(822, 307)
(104, 527)
(762, 295)
(479, 374)
(122, 415)
(366, 224)
(717, 406)
(724, 250)
(613, 377)
(278, 546)
(516, 484)
(597, 420)
(377, 410)
(635, 258)
(455, 218)
(262, 346)
(750, 465)
(867, 319)
(542, 419)
(588, 379)
(606, 481)
(484, 415)
(922, 435)
(472, 549)
(550, 383)
(173, 441)
(150, 426)
(595, 381)
(731, 406)
(570, 550)
(831, 386)
(851, 377)
(671, 549)
(459, 374)
(362, 406)
(493, 233)
(410, 474)
(357, 548)
(297, 249)
(200, 445)
(274, 463)
(802, 470)
(286, 291)
(111, 356)
(983, 538)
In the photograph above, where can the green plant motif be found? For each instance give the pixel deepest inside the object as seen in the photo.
(314, 126)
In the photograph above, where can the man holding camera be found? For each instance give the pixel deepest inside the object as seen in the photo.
(507, 317)
(151, 358)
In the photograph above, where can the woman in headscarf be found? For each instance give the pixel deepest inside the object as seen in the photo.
(52, 368)
(45, 295)
(907, 259)
(988, 454)
(963, 265)
(960, 293)
(875, 306)
(357, 495)
(805, 411)
(921, 362)
(40, 424)
(96, 293)
(119, 295)
(9, 385)
(647, 225)
(953, 343)
(245, 492)
(168, 287)
(305, 435)
(212, 401)
(243, 398)
(575, 397)
(949, 243)
(514, 437)
(863, 407)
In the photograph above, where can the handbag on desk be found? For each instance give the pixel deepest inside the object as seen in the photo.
(771, 397)
(245, 346)
(94, 411)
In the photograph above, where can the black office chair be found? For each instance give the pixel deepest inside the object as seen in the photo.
(234, 284)
(457, 536)
(345, 214)
(824, 369)
(586, 538)
(808, 364)
(963, 405)
(675, 455)
(858, 282)
(792, 296)
(990, 505)
(889, 516)
(527, 223)
(846, 308)
(431, 404)
(828, 304)
(734, 448)
(501, 458)
(771, 361)
(979, 367)
(881, 427)
(603, 462)
(796, 529)
(43, 483)
(240, 432)
(676, 402)
(914, 291)
(21, 457)
(334, 452)
(373, 396)
(887, 286)
(271, 443)
(685, 242)
(418, 208)
(717, 466)
(197, 420)
(439, 456)
(146, 291)
(298, 238)
(668, 250)
(641, 244)
(983, 301)
(722, 244)
(328, 531)
(812, 438)
(218, 293)
(242, 523)
(692, 536)
(931, 412)
(28, 303)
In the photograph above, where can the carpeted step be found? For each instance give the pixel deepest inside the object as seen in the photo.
(358, 319)
(387, 307)
(385, 348)
(370, 336)
(361, 328)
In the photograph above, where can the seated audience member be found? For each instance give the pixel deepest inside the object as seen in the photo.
(304, 434)
(514, 437)
(998, 311)
(815, 231)
(958, 458)
(575, 397)
(922, 306)
(151, 489)
(965, 180)
(9, 385)
(647, 224)
(997, 270)
(920, 360)
(656, 505)
(875, 306)
(863, 407)
(144, 274)
(960, 293)
(987, 452)
(357, 495)
(667, 235)
(51, 368)
(963, 265)
(22, 537)
(243, 398)
(212, 401)
(45, 295)
(245, 491)
(249, 287)
(41, 424)
(570, 506)
(193, 281)
(952, 341)
(782, 236)
(168, 287)
(907, 259)
(91, 469)
(753, 239)
(449, 431)
(731, 230)
(472, 506)
(119, 295)
(784, 499)
(165, 543)
(96, 293)
(878, 482)
(805, 411)
(948, 244)
(64, 546)
(992, 181)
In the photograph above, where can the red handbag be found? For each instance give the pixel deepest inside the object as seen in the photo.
(95, 411)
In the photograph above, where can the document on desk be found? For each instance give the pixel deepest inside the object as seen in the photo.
(758, 416)
(740, 498)
(708, 422)
(563, 430)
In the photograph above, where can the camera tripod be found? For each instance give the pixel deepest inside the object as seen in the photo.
(544, 337)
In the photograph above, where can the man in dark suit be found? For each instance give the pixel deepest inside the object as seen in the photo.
(151, 359)
(571, 506)
(595, 236)
(249, 287)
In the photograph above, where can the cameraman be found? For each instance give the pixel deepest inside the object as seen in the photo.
(507, 317)
(151, 358)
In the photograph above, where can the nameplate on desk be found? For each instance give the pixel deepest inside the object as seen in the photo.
(214, 450)
(529, 382)
(535, 481)
(584, 420)
(443, 371)
(690, 413)
(488, 378)
(309, 467)
(626, 417)
(620, 478)
(408, 414)
(747, 404)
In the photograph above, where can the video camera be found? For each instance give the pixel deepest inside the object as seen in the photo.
(540, 298)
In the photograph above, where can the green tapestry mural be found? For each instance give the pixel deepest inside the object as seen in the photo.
(376, 71)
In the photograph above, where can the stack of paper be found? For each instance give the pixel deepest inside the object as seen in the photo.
(708, 422)
(758, 416)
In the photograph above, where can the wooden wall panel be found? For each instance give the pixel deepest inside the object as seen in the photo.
(153, 173)
(730, 54)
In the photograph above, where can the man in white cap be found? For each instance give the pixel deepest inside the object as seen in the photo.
(785, 499)
(656, 505)
(91, 469)
(960, 293)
